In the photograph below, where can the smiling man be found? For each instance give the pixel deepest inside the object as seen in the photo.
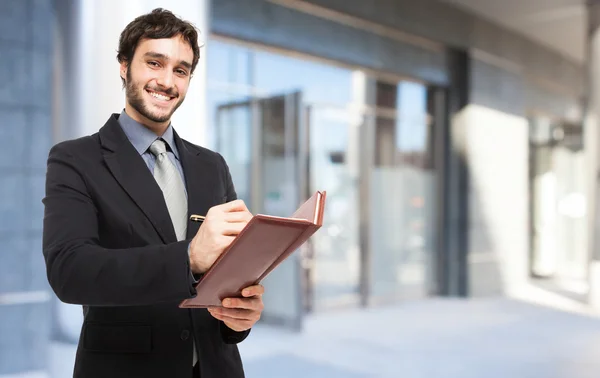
(117, 237)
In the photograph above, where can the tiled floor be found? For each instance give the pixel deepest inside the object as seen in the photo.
(492, 338)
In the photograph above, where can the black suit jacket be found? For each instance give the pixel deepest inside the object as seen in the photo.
(110, 246)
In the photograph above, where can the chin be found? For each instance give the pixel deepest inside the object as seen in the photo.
(157, 115)
(159, 118)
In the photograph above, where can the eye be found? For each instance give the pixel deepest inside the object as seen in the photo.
(181, 72)
(153, 64)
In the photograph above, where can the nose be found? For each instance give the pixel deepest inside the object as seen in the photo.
(165, 79)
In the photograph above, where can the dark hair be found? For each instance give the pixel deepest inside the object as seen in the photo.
(159, 23)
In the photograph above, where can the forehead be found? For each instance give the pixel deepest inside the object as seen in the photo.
(175, 48)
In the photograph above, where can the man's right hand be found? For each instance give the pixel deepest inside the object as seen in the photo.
(221, 225)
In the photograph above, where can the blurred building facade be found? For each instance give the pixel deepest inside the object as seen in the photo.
(451, 147)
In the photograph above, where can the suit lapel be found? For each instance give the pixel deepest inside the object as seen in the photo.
(199, 177)
(130, 170)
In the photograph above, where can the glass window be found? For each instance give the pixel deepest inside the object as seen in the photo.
(318, 82)
(238, 76)
(402, 196)
(402, 181)
(228, 64)
(403, 135)
(558, 203)
(412, 135)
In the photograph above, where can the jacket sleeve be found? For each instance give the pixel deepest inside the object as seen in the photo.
(230, 336)
(80, 271)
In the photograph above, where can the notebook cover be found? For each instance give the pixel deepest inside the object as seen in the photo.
(261, 246)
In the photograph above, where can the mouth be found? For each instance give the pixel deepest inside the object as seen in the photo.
(161, 97)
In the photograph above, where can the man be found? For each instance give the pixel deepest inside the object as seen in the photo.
(117, 236)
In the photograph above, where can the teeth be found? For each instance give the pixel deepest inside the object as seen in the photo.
(159, 96)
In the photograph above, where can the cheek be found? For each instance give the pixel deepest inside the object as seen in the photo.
(182, 86)
(142, 77)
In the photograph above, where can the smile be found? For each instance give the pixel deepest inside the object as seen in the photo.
(159, 96)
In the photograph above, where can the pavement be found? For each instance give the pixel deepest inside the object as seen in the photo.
(433, 338)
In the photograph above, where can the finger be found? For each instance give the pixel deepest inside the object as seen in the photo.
(254, 304)
(237, 216)
(237, 313)
(218, 315)
(214, 311)
(237, 316)
(251, 291)
(227, 228)
(236, 205)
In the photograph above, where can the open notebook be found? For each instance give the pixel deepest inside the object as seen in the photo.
(259, 248)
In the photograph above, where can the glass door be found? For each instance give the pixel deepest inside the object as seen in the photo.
(234, 140)
(333, 258)
(402, 193)
(261, 141)
(278, 157)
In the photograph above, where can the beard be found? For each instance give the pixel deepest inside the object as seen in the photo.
(134, 94)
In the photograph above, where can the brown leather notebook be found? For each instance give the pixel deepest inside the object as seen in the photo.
(259, 248)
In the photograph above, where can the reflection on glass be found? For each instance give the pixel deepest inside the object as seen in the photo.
(279, 134)
(402, 181)
(544, 260)
(559, 249)
(413, 136)
(571, 210)
(229, 64)
(336, 275)
(233, 124)
(319, 83)
(402, 194)
(234, 67)
(279, 193)
(265, 76)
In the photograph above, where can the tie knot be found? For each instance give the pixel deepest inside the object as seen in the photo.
(158, 147)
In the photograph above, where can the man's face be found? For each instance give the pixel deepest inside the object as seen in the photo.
(157, 80)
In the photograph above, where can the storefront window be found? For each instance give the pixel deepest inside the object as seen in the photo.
(558, 203)
(245, 83)
(402, 192)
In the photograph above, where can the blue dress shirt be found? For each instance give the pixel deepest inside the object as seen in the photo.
(142, 138)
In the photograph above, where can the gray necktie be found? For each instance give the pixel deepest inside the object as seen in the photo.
(168, 178)
(171, 183)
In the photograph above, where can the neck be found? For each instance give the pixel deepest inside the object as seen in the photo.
(158, 128)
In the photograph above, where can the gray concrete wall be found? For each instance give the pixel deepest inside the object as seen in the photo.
(26, 135)
(502, 98)
(497, 158)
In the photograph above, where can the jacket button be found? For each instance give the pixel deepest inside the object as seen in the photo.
(185, 334)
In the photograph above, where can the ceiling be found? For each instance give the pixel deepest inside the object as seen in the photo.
(558, 24)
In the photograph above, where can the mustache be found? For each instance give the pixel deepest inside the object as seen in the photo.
(171, 92)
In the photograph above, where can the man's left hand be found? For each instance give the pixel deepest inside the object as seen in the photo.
(240, 314)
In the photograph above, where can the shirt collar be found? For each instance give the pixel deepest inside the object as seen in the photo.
(142, 138)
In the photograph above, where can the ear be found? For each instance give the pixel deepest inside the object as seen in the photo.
(123, 70)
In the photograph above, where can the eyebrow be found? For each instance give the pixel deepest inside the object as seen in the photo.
(156, 55)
